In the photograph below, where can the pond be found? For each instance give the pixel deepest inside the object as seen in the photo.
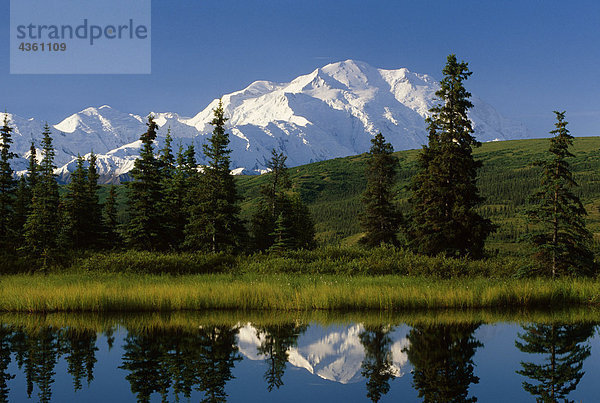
(297, 358)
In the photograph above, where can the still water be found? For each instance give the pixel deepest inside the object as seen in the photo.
(187, 358)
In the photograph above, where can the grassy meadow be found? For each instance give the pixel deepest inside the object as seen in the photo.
(113, 292)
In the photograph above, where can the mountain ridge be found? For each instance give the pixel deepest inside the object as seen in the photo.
(330, 112)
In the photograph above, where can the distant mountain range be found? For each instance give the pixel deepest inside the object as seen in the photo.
(331, 112)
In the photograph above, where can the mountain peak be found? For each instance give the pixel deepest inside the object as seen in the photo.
(333, 111)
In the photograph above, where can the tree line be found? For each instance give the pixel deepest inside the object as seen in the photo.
(173, 203)
(443, 215)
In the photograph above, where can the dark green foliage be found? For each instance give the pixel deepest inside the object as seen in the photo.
(214, 223)
(561, 239)
(144, 230)
(33, 167)
(283, 238)
(564, 352)
(444, 195)
(381, 217)
(96, 229)
(81, 211)
(75, 207)
(8, 187)
(42, 226)
(22, 208)
(110, 221)
(177, 181)
(282, 221)
(377, 366)
(442, 357)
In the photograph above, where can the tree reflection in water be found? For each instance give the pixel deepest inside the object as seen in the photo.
(5, 335)
(180, 361)
(442, 357)
(275, 345)
(184, 360)
(377, 366)
(564, 350)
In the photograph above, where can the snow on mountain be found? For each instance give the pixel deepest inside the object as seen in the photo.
(334, 353)
(331, 112)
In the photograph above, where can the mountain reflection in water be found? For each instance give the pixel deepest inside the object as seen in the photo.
(295, 360)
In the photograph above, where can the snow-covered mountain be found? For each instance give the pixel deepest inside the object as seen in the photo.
(331, 112)
(334, 353)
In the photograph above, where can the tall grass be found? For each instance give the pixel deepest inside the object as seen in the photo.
(250, 292)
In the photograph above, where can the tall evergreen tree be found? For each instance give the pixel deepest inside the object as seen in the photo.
(177, 194)
(562, 240)
(381, 218)
(168, 169)
(22, 207)
(76, 218)
(32, 168)
(444, 193)
(8, 186)
(42, 224)
(281, 221)
(214, 223)
(110, 221)
(144, 229)
(96, 229)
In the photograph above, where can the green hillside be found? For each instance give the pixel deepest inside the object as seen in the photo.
(332, 188)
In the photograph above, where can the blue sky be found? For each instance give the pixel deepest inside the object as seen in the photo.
(528, 57)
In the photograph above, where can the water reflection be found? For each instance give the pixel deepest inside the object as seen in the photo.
(212, 362)
(564, 350)
(377, 366)
(442, 357)
(184, 361)
(276, 343)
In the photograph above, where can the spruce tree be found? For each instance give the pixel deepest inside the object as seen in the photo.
(214, 223)
(33, 167)
(8, 186)
(166, 161)
(110, 222)
(177, 199)
(96, 229)
(444, 195)
(282, 234)
(22, 207)
(76, 218)
(281, 221)
(262, 223)
(562, 241)
(381, 217)
(41, 228)
(25, 188)
(144, 229)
